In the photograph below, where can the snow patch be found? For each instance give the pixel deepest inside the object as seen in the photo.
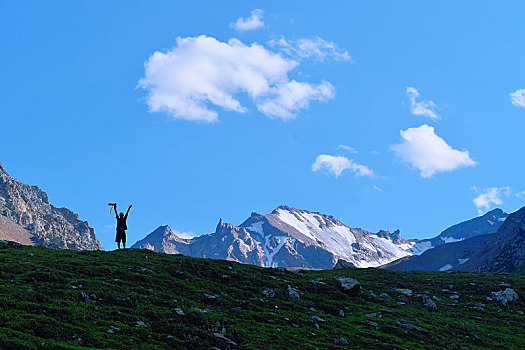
(270, 252)
(462, 261)
(502, 219)
(257, 227)
(420, 247)
(451, 239)
(446, 267)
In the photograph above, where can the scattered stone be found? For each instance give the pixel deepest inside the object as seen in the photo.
(428, 303)
(372, 314)
(402, 299)
(179, 311)
(436, 298)
(372, 294)
(406, 292)
(316, 318)
(292, 293)
(445, 290)
(200, 310)
(318, 281)
(455, 297)
(236, 310)
(221, 335)
(268, 292)
(384, 295)
(505, 296)
(349, 285)
(341, 341)
(411, 326)
(342, 313)
(140, 324)
(343, 264)
(87, 299)
(210, 296)
(373, 324)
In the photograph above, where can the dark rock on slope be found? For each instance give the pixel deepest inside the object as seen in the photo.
(26, 216)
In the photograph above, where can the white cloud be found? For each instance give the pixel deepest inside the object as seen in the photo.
(377, 188)
(520, 194)
(337, 164)
(424, 108)
(429, 153)
(253, 22)
(315, 47)
(201, 73)
(347, 148)
(518, 98)
(489, 196)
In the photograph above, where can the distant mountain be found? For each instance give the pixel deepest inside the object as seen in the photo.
(482, 225)
(27, 217)
(502, 251)
(449, 256)
(287, 237)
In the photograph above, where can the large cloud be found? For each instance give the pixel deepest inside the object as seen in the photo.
(337, 164)
(424, 108)
(429, 153)
(489, 196)
(201, 73)
(253, 22)
(518, 98)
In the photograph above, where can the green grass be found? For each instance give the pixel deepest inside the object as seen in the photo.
(41, 306)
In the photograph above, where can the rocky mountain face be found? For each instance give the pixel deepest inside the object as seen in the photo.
(26, 216)
(287, 237)
(482, 225)
(501, 251)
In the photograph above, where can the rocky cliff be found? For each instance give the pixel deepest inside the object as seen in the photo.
(27, 216)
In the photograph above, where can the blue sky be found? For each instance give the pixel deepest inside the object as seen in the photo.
(426, 95)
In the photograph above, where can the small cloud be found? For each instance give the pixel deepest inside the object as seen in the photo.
(425, 108)
(378, 189)
(429, 153)
(250, 23)
(520, 194)
(518, 98)
(337, 164)
(347, 148)
(316, 47)
(489, 196)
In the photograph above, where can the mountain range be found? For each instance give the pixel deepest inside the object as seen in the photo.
(287, 237)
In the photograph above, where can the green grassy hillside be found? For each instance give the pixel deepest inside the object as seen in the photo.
(60, 299)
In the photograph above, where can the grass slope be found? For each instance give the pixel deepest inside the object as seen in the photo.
(138, 293)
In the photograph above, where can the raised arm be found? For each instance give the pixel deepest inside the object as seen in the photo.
(115, 209)
(127, 212)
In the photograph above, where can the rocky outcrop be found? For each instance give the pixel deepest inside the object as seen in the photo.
(31, 218)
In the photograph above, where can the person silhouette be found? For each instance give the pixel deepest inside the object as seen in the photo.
(121, 226)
